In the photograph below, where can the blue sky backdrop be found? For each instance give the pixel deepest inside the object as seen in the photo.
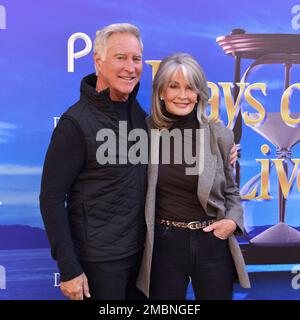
(35, 85)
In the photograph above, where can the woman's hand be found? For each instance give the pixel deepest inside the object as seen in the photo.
(222, 229)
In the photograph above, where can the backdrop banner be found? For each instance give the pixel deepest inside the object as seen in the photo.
(250, 52)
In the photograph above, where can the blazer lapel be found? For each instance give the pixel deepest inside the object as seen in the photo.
(152, 173)
(208, 161)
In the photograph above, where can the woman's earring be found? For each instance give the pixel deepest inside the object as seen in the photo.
(161, 98)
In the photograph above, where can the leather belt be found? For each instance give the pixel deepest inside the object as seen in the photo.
(193, 225)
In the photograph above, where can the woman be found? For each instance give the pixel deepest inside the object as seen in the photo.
(191, 215)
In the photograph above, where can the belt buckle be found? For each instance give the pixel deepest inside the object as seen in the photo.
(191, 225)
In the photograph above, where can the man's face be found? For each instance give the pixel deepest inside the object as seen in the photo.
(120, 68)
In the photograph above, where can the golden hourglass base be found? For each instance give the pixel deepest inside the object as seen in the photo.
(280, 235)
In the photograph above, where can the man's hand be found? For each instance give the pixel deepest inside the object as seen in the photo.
(222, 229)
(76, 288)
(233, 155)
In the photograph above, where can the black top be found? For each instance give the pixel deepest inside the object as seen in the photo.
(176, 191)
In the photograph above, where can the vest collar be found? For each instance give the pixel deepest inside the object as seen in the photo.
(102, 98)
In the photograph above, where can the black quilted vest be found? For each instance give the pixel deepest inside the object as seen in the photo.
(106, 202)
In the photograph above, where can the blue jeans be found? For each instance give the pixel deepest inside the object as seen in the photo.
(181, 255)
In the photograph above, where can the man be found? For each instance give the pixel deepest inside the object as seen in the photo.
(98, 236)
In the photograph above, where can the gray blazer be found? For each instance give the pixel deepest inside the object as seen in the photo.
(216, 187)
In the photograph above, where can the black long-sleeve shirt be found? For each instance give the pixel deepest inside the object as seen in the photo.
(64, 159)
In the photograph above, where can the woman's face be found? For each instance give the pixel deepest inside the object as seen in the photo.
(179, 97)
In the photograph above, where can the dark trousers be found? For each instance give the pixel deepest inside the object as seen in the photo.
(181, 255)
(114, 280)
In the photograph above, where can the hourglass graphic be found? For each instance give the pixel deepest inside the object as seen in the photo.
(267, 49)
